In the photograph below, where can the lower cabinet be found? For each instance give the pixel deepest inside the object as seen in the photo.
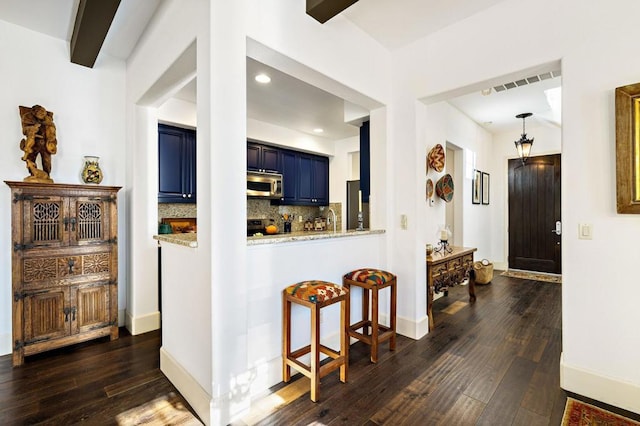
(55, 313)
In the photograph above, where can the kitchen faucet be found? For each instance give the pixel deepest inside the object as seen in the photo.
(334, 218)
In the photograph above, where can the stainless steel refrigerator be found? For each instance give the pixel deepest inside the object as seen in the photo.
(353, 186)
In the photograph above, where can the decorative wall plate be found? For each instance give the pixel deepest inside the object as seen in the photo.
(436, 158)
(444, 187)
(429, 189)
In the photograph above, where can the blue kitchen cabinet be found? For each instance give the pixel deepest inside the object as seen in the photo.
(289, 180)
(365, 160)
(321, 180)
(305, 176)
(313, 180)
(176, 165)
(263, 158)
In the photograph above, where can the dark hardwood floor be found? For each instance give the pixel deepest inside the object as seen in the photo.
(495, 362)
(89, 383)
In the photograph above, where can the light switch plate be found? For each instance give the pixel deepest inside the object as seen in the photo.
(403, 221)
(585, 231)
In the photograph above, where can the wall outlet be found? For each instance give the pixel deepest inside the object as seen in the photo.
(300, 218)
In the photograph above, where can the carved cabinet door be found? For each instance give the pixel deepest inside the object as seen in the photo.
(46, 315)
(90, 307)
(90, 220)
(52, 221)
(45, 222)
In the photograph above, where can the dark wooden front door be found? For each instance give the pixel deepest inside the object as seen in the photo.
(534, 208)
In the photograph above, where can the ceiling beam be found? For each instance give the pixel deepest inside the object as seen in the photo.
(93, 20)
(323, 10)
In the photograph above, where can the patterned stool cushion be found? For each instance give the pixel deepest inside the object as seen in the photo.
(370, 276)
(316, 291)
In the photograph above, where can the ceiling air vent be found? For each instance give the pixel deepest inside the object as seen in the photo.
(525, 81)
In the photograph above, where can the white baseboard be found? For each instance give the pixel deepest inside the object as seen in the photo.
(413, 329)
(501, 266)
(5, 344)
(142, 324)
(601, 388)
(188, 387)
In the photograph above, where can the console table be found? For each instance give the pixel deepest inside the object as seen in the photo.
(445, 270)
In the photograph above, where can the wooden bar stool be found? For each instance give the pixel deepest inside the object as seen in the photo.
(373, 280)
(315, 295)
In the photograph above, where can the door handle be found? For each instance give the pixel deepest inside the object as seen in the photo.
(558, 230)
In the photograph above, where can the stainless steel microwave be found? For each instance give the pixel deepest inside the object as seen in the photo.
(264, 185)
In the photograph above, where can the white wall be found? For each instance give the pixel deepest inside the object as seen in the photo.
(88, 114)
(446, 124)
(179, 112)
(593, 40)
(155, 55)
(288, 138)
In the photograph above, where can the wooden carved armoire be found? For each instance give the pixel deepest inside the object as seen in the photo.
(64, 265)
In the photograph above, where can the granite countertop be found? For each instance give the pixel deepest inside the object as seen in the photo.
(188, 239)
(191, 239)
(308, 236)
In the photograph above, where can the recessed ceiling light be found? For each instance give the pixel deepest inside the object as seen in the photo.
(263, 78)
(318, 130)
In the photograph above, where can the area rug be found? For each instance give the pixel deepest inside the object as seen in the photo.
(578, 413)
(165, 410)
(536, 276)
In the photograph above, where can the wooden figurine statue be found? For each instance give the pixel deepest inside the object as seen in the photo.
(40, 139)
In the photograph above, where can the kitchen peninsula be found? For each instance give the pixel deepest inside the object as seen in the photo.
(269, 264)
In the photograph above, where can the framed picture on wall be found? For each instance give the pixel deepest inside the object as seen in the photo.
(485, 188)
(476, 189)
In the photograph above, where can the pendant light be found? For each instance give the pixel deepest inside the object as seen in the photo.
(523, 145)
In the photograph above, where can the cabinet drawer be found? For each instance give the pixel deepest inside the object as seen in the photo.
(455, 264)
(438, 269)
(467, 260)
(48, 270)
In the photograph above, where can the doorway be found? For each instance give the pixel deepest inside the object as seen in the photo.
(450, 208)
(534, 214)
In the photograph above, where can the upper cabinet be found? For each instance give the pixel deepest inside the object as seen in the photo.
(313, 180)
(365, 167)
(305, 176)
(176, 165)
(263, 158)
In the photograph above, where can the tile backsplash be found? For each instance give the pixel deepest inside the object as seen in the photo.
(176, 210)
(262, 209)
